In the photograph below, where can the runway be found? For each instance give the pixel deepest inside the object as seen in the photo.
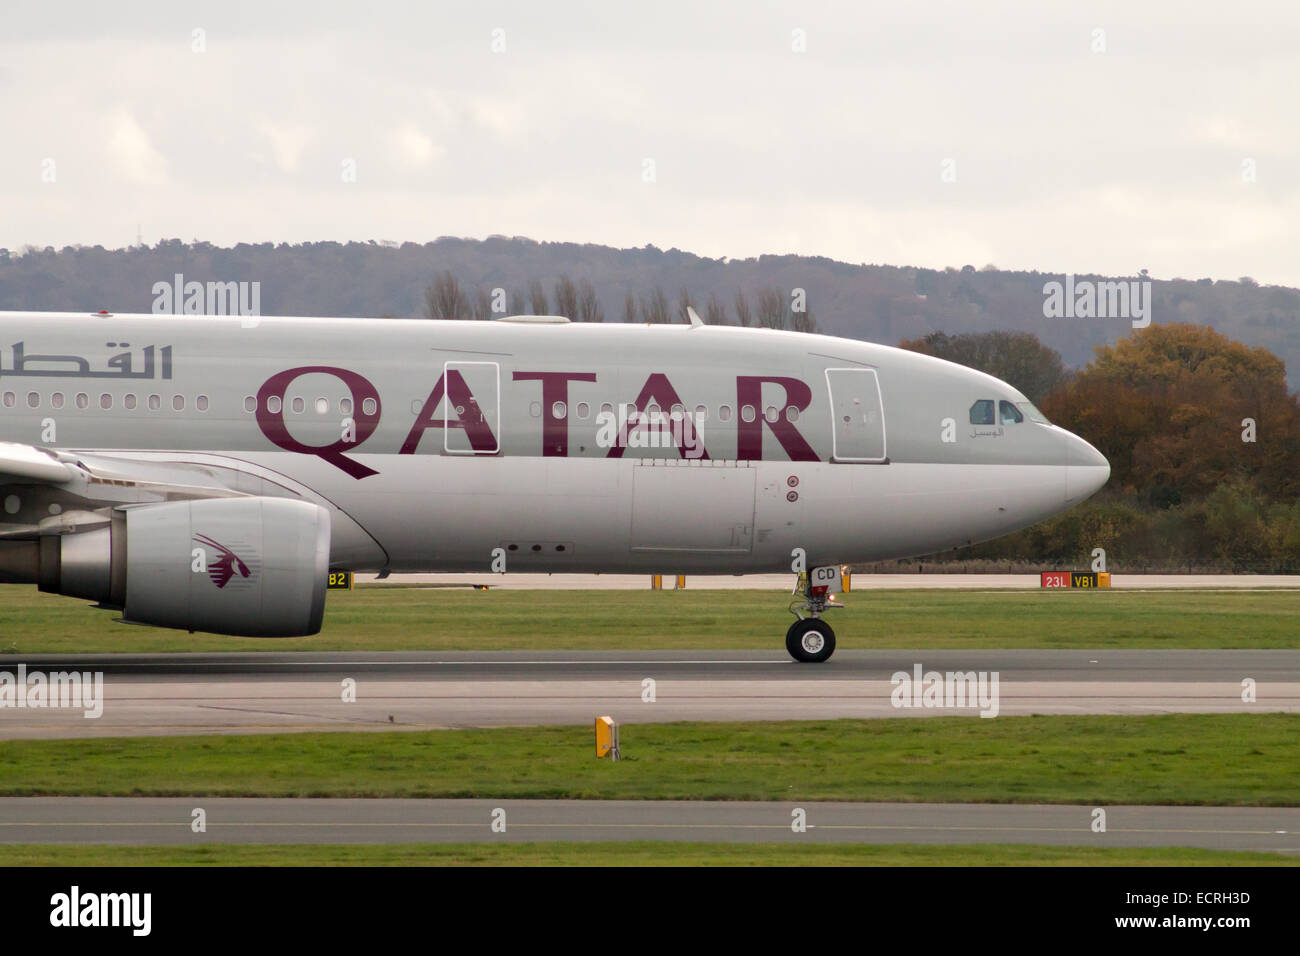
(141, 820)
(859, 582)
(285, 692)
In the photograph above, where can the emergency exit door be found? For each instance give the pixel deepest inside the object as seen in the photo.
(857, 416)
(471, 408)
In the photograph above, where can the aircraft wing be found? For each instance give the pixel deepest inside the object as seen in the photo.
(27, 464)
(92, 485)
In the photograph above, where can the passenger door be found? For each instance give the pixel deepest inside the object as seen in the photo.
(857, 416)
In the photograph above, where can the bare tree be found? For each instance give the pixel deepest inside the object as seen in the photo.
(771, 309)
(443, 299)
(482, 305)
(715, 313)
(654, 308)
(566, 298)
(803, 321)
(683, 303)
(537, 298)
(589, 309)
(629, 309)
(744, 315)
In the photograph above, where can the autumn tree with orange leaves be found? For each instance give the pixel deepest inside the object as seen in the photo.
(1169, 407)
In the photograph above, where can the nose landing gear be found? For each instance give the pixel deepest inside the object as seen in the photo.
(810, 640)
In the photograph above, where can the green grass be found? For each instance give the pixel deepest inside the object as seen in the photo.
(644, 853)
(1235, 759)
(442, 619)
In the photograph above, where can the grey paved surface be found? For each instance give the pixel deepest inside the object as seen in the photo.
(232, 820)
(269, 692)
(860, 582)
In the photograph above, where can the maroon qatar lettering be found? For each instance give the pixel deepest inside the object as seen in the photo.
(555, 388)
(364, 395)
(658, 391)
(468, 415)
(465, 413)
(749, 435)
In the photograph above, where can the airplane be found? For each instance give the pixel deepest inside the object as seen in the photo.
(209, 472)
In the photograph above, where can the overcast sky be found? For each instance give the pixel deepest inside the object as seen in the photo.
(1103, 137)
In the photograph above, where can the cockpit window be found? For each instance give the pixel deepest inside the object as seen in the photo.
(1033, 413)
(1010, 414)
(981, 413)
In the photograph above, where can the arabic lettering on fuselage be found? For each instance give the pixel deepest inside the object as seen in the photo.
(156, 363)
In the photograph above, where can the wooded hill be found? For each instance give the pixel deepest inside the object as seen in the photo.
(877, 303)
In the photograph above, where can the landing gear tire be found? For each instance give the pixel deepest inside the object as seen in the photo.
(810, 641)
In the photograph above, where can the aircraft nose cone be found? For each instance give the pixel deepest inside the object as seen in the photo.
(1086, 469)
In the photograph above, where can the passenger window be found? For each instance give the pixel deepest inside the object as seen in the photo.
(106, 401)
(201, 403)
(83, 400)
(33, 400)
(724, 413)
(583, 411)
(56, 400)
(250, 404)
(128, 400)
(981, 413)
(178, 403)
(747, 413)
(10, 399)
(1010, 414)
(155, 402)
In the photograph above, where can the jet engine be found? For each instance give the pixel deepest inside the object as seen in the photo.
(253, 567)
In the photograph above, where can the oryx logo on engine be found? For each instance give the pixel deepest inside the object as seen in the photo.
(227, 564)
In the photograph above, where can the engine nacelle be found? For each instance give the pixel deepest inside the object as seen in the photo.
(253, 567)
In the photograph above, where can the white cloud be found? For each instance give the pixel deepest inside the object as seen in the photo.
(130, 150)
(412, 148)
(1065, 159)
(287, 143)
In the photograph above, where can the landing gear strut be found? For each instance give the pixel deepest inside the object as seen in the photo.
(810, 640)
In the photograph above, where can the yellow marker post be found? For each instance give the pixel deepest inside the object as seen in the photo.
(681, 582)
(607, 738)
(846, 580)
(1103, 579)
(656, 582)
